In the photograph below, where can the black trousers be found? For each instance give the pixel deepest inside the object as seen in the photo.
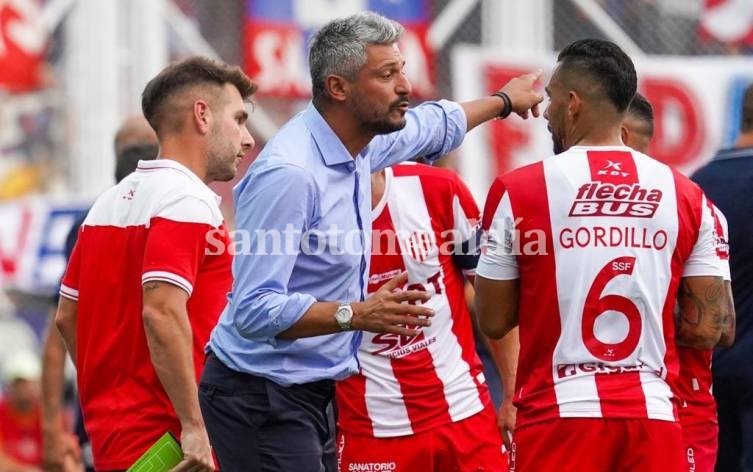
(733, 390)
(255, 424)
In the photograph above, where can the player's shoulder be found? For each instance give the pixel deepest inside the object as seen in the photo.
(166, 178)
(435, 181)
(522, 176)
(409, 169)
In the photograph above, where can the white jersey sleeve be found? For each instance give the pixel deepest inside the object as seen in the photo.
(498, 260)
(723, 242)
(705, 257)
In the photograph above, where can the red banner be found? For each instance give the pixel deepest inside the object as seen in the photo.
(22, 43)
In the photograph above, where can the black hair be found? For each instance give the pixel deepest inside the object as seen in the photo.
(641, 108)
(190, 72)
(606, 65)
(129, 157)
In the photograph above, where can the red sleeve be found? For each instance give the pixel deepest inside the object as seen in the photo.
(496, 192)
(174, 252)
(177, 242)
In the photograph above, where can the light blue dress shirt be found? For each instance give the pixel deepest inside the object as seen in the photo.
(305, 181)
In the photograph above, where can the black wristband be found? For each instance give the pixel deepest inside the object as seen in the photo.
(508, 104)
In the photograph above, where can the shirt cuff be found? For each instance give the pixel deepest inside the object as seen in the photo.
(497, 271)
(69, 293)
(279, 319)
(701, 269)
(164, 276)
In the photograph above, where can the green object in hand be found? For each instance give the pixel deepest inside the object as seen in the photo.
(161, 457)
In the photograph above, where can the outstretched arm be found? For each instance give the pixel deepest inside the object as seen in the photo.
(522, 95)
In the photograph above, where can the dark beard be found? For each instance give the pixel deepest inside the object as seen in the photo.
(383, 126)
(557, 145)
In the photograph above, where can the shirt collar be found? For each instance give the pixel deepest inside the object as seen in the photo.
(332, 149)
(379, 207)
(167, 163)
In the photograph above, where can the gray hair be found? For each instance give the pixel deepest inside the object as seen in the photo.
(340, 46)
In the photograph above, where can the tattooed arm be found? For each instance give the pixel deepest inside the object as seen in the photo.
(703, 306)
(728, 318)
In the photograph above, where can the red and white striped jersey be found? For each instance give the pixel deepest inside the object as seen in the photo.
(599, 238)
(159, 223)
(411, 384)
(694, 384)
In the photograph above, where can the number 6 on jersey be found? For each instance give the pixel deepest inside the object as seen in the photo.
(596, 304)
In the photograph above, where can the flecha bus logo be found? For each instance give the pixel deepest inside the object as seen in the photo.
(621, 200)
(614, 189)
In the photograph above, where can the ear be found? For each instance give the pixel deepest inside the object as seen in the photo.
(574, 105)
(337, 87)
(624, 135)
(202, 116)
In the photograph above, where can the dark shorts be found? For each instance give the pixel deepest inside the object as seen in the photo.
(255, 424)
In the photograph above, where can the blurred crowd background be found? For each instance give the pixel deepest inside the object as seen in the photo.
(72, 70)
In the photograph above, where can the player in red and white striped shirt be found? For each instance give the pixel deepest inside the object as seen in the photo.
(139, 351)
(698, 416)
(585, 251)
(421, 403)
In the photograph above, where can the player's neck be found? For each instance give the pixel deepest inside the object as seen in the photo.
(599, 136)
(189, 154)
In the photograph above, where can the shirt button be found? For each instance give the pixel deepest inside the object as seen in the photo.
(351, 166)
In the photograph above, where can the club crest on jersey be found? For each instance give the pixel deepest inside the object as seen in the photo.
(420, 245)
(616, 200)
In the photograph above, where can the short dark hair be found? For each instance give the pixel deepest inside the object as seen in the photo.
(641, 108)
(746, 119)
(606, 65)
(128, 158)
(189, 72)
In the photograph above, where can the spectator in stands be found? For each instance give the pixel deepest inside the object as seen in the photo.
(135, 140)
(20, 414)
(727, 180)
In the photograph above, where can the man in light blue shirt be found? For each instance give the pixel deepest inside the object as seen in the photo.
(293, 320)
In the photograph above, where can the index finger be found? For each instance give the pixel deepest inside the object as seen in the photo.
(535, 75)
(396, 281)
(535, 110)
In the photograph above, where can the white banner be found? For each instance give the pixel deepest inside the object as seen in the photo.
(32, 242)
